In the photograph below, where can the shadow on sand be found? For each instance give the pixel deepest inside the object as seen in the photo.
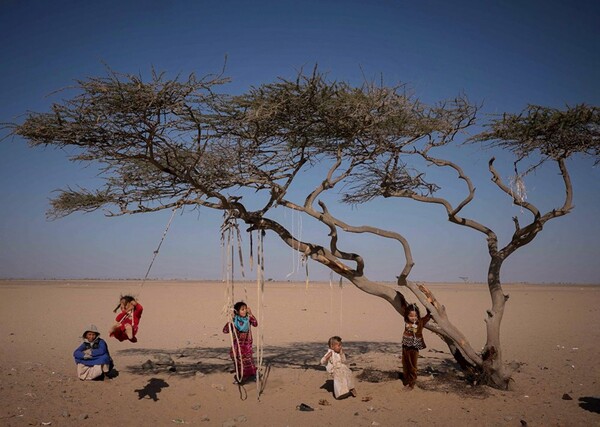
(442, 372)
(151, 390)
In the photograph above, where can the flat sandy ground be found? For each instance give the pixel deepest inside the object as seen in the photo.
(551, 332)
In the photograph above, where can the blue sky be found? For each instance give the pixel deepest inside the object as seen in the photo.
(502, 54)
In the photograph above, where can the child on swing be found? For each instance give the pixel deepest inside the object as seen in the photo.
(335, 361)
(127, 320)
(412, 341)
(241, 350)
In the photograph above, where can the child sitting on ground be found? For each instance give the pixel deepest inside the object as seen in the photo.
(92, 357)
(335, 361)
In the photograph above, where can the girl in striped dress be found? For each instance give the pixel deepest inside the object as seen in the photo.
(241, 352)
(412, 342)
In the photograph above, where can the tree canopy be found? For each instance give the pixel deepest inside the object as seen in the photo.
(166, 142)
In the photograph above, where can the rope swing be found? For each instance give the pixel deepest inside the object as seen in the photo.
(131, 316)
(227, 228)
(155, 253)
(260, 290)
(230, 235)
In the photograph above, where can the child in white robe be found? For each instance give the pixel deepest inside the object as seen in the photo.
(335, 361)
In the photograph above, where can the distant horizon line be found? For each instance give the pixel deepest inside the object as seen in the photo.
(270, 280)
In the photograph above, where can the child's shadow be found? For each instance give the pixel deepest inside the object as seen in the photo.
(328, 386)
(154, 386)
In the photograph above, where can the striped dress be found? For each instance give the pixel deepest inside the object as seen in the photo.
(241, 352)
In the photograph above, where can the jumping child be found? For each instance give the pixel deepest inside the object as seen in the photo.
(127, 320)
(335, 361)
(241, 350)
(412, 342)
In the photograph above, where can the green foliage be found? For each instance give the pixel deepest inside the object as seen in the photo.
(553, 133)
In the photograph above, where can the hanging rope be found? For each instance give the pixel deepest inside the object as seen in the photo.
(129, 314)
(296, 230)
(341, 303)
(331, 297)
(159, 245)
(517, 187)
(260, 290)
(229, 224)
(228, 229)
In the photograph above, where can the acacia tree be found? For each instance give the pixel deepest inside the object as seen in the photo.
(165, 142)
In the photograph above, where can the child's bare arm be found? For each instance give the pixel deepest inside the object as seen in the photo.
(326, 358)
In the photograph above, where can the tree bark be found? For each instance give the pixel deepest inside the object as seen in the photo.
(493, 370)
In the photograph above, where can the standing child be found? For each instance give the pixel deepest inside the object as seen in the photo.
(412, 342)
(241, 350)
(92, 357)
(127, 320)
(335, 361)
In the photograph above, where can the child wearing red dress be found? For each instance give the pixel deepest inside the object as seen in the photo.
(241, 350)
(128, 319)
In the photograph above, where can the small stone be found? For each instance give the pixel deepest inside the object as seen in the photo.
(229, 423)
(196, 407)
(148, 364)
(66, 414)
(241, 419)
(523, 422)
(566, 396)
(164, 359)
(83, 417)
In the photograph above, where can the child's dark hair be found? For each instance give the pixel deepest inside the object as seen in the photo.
(238, 305)
(127, 298)
(412, 307)
(334, 339)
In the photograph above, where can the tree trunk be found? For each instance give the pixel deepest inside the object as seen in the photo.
(494, 372)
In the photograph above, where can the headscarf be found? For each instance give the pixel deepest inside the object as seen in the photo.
(242, 324)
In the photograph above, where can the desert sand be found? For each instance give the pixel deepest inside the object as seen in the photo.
(550, 334)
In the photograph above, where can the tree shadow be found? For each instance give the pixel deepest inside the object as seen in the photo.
(371, 375)
(154, 386)
(589, 403)
(189, 361)
(369, 360)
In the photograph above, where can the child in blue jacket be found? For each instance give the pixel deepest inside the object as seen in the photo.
(92, 357)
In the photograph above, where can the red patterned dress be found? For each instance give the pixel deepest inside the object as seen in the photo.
(241, 352)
